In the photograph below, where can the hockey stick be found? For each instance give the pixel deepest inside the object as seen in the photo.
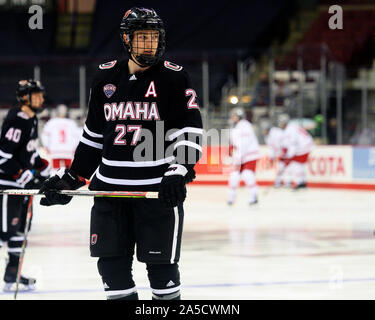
(27, 225)
(267, 190)
(87, 193)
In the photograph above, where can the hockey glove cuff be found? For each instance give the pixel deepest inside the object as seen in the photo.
(24, 177)
(172, 190)
(65, 179)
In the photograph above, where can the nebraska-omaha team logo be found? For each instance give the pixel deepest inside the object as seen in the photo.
(109, 90)
(94, 239)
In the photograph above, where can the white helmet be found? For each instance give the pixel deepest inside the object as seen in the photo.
(239, 112)
(62, 110)
(283, 119)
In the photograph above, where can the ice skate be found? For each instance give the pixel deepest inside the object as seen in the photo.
(10, 279)
(253, 202)
(277, 185)
(301, 185)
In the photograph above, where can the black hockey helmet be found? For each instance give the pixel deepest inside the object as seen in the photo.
(142, 19)
(26, 88)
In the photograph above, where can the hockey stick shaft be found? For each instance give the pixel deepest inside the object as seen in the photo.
(278, 174)
(87, 193)
(26, 232)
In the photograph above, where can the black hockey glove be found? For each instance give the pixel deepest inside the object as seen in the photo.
(44, 169)
(172, 190)
(36, 182)
(65, 179)
(41, 174)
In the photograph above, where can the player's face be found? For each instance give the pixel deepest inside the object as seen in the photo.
(234, 118)
(37, 100)
(145, 42)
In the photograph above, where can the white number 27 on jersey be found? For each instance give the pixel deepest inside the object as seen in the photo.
(192, 103)
(121, 129)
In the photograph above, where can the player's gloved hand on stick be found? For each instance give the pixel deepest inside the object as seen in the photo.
(44, 169)
(172, 190)
(65, 179)
(40, 174)
(24, 177)
(29, 179)
(36, 182)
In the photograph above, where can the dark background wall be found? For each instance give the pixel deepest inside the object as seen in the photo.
(221, 32)
(192, 26)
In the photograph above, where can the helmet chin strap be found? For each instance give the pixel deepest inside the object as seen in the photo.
(37, 110)
(134, 59)
(136, 62)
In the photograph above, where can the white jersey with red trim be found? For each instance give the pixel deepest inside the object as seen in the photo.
(60, 137)
(245, 143)
(273, 141)
(296, 140)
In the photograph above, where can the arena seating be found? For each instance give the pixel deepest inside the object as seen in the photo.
(343, 44)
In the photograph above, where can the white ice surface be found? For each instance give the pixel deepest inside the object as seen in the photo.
(309, 244)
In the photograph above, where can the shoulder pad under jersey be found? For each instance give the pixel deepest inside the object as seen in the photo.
(23, 115)
(107, 65)
(172, 66)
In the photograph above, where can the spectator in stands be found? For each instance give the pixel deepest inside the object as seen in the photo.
(365, 137)
(261, 92)
(332, 131)
(283, 92)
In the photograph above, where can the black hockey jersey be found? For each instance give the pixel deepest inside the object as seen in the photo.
(137, 125)
(18, 146)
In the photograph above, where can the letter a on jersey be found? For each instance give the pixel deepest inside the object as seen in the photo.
(151, 90)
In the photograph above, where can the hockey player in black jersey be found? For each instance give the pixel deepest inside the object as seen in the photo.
(20, 167)
(143, 133)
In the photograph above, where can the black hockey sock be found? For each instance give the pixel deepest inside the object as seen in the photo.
(14, 249)
(13, 261)
(117, 278)
(11, 268)
(164, 281)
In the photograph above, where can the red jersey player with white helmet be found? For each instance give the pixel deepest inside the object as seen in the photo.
(297, 143)
(273, 139)
(245, 146)
(60, 137)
